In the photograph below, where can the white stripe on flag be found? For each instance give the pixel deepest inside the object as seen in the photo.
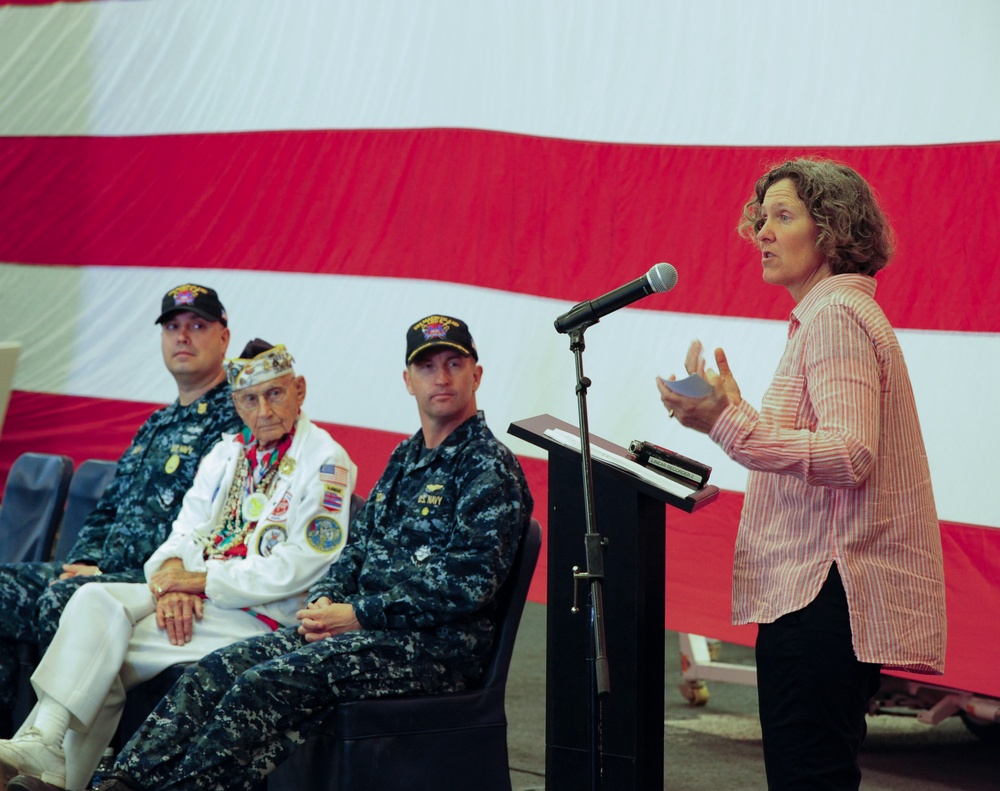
(713, 72)
(347, 336)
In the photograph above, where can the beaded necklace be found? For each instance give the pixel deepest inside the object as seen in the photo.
(249, 493)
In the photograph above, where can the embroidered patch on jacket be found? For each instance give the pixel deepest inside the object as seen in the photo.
(270, 537)
(324, 534)
(332, 473)
(426, 499)
(280, 512)
(333, 497)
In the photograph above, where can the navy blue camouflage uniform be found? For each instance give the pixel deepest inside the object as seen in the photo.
(422, 565)
(132, 518)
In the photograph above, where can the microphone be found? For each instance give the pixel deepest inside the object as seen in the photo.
(660, 278)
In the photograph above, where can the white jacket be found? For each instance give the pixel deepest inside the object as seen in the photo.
(300, 533)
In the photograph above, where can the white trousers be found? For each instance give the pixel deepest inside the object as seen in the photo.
(108, 642)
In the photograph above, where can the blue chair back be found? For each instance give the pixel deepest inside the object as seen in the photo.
(32, 506)
(85, 490)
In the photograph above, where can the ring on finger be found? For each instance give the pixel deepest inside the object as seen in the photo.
(670, 413)
(168, 616)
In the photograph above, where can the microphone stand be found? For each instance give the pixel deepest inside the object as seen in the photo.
(600, 685)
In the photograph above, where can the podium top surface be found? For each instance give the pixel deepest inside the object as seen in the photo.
(533, 430)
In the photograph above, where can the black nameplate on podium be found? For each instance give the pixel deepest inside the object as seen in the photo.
(631, 516)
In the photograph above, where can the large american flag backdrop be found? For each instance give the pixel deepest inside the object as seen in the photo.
(338, 169)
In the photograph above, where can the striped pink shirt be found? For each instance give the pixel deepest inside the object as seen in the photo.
(838, 474)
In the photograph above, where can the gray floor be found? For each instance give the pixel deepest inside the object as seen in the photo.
(718, 746)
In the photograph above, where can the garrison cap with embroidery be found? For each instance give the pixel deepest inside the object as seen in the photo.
(200, 300)
(439, 331)
(259, 363)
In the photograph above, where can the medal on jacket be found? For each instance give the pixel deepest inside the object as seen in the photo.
(253, 506)
(287, 465)
(172, 464)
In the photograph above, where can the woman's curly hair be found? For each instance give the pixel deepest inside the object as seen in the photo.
(854, 234)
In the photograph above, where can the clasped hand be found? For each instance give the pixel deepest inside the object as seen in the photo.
(173, 577)
(176, 613)
(701, 413)
(178, 593)
(324, 618)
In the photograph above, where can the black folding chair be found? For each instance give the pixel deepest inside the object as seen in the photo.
(452, 740)
(85, 489)
(33, 506)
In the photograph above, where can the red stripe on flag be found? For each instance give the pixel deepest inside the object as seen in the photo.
(699, 568)
(93, 428)
(553, 218)
(699, 546)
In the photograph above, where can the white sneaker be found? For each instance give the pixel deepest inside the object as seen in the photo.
(30, 754)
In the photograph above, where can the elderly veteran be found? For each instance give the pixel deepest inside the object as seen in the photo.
(140, 504)
(264, 519)
(409, 608)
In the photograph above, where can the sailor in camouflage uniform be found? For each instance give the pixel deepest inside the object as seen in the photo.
(137, 509)
(408, 609)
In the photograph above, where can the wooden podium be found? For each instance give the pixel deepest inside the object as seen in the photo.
(630, 515)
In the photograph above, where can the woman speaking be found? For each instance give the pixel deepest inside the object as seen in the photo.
(838, 555)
